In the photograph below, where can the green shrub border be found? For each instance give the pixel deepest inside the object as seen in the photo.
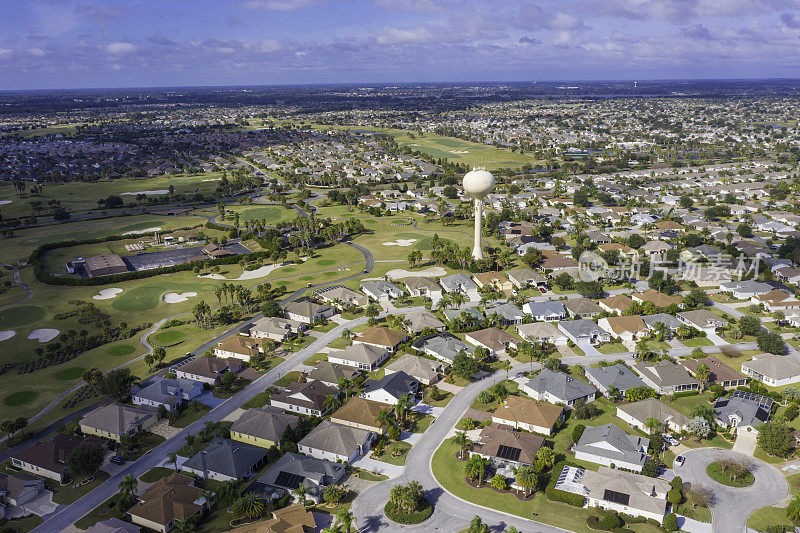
(686, 393)
(395, 514)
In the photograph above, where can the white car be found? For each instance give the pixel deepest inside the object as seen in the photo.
(672, 441)
(679, 460)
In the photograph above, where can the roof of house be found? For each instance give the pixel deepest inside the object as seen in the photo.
(342, 293)
(396, 384)
(525, 275)
(540, 330)
(774, 366)
(292, 469)
(611, 442)
(166, 390)
(668, 320)
(490, 277)
(417, 367)
(619, 302)
(310, 394)
(609, 483)
(618, 376)
(563, 386)
(659, 299)
(209, 366)
(719, 371)
(665, 374)
(581, 327)
(52, 454)
(328, 372)
(496, 441)
(445, 345)
(170, 498)
(113, 525)
(275, 325)
(267, 423)
(702, 317)
(653, 408)
(228, 457)
(14, 483)
(239, 344)
(545, 308)
(518, 409)
(359, 411)
(626, 324)
(380, 286)
(457, 281)
(420, 282)
(381, 336)
(305, 308)
(295, 518)
(582, 306)
(749, 410)
(509, 312)
(493, 338)
(335, 438)
(117, 418)
(360, 353)
(420, 320)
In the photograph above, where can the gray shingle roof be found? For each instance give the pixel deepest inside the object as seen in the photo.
(335, 438)
(227, 457)
(618, 376)
(562, 386)
(611, 442)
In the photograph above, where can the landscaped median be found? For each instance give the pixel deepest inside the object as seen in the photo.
(731, 473)
(449, 472)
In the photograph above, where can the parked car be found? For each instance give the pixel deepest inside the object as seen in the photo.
(679, 460)
(117, 459)
(542, 290)
(672, 441)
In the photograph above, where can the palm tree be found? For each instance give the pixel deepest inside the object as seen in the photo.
(345, 519)
(793, 509)
(385, 419)
(229, 491)
(249, 506)
(183, 526)
(476, 525)
(653, 424)
(300, 492)
(173, 458)
(461, 440)
(128, 487)
(403, 404)
(345, 385)
(526, 478)
(190, 442)
(702, 373)
(506, 365)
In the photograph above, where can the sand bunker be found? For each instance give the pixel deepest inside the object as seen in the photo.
(159, 191)
(247, 274)
(107, 294)
(140, 231)
(400, 242)
(43, 335)
(459, 151)
(430, 272)
(5, 202)
(174, 297)
(213, 179)
(7, 334)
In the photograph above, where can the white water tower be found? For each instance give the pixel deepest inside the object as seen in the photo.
(478, 183)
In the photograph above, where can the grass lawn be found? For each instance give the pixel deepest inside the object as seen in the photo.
(144, 442)
(339, 344)
(188, 415)
(717, 441)
(21, 315)
(154, 474)
(315, 359)
(395, 453)
(444, 399)
(715, 472)
(775, 516)
(104, 511)
(259, 400)
(420, 422)
(614, 347)
(21, 526)
(366, 475)
(78, 489)
(697, 341)
(324, 328)
(290, 377)
(767, 458)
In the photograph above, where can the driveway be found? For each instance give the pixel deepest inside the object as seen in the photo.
(41, 505)
(732, 505)
(207, 398)
(426, 409)
(745, 444)
(588, 349)
(373, 465)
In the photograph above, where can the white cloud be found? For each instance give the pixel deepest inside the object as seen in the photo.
(120, 48)
(277, 5)
(400, 36)
(5, 53)
(36, 52)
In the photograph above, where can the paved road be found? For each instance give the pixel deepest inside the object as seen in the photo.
(450, 512)
(733, 506)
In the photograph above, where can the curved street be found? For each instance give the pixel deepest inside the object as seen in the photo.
(732, 506)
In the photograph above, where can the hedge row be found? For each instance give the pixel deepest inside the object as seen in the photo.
(555, 495)
(400, 516)
(684, 394)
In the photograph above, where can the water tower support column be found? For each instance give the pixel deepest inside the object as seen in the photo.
(477, 250)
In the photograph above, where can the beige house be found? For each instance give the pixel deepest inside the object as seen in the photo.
(115, 420)
(530, 415)
(637, 415)
(360, 413)
(493, 280)
(167, 501)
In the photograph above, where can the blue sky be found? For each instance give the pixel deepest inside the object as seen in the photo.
(93, 43)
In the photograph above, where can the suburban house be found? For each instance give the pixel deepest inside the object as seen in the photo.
(292, 519)
(744, 290)
(496, 281)
(18, 489)
(381, 290)
(443, 347)
(617, 490)
(360, 413)
(557, 387)
(238, 347)
(114, 420)
(390, 388)
(666, 378)
(361, 356)
(616, 304)
(292, 469)
(530, 415)
(226, 460)
(382, 337)
(460, 283)
(465, 314)
(170, 393)
(207, 369)
(659, 299)
(167, 501)
(308, 312)
(330, 373)
(776, 300)
(743, 412)
(494, 339)
(275, 328)
(637, 414)
(336, 442)
(48, 458)
(526, 277)
(655, 248)
(773, 370)
(617, 377)
(628, 328)
(506, 314)
(542, 332)
(582, 308)
(703, 320)
(424, 370)
(422, 286)
(670, 322)
(583, 331)
(505, 447)
(305, 398)
(421, 320)
(114, 525)
(262, 426)
(610, 446)
(720, 373)
(547, 311)
(341, 297)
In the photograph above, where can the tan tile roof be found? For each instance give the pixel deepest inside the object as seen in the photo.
(517, 409)
(620, 301)
(622, 324)
(659, 299)
(359, 411)
(381, 336)
(170, 498)
(719, 370)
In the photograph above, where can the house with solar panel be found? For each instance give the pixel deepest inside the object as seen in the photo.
(743, 411)
(292, 470)
(617, 490)
(506, 448)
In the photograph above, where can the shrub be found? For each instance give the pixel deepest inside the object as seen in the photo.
(611, 520)
(686, 393)
(400, 516)
(577, 431)
(671, 522)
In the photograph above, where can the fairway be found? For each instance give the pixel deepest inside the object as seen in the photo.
(139, 299)
(22, 315)
(122, 349)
